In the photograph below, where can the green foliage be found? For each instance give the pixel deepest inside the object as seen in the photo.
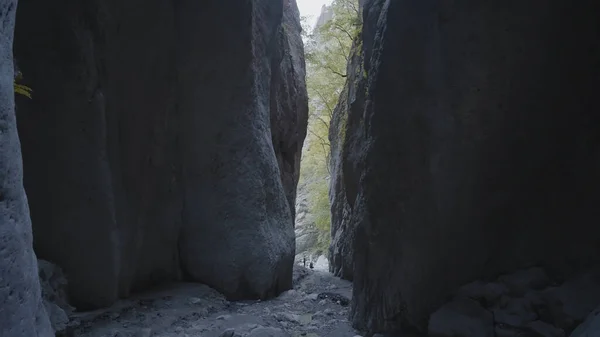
(21, 89)
(327, 52)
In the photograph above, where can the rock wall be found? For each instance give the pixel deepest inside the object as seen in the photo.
(476, 152)
(345, 137)
(289, 100)
(307, 235)
(22, 311)
(151, 146)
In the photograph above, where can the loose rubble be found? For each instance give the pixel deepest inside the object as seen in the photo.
(317, 306)
(524, 303)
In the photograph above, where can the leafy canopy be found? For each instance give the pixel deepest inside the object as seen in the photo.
(327, 52)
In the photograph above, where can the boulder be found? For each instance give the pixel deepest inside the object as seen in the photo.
(475, 152)
(461, 318)
(525, 280)
(22, 311)
(163, 144)
(543, 329)
(54, 292)
(590, 327)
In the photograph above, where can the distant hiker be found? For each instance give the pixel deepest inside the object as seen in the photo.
(304, 261)
(311, 265)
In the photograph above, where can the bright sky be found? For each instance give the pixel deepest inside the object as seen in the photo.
(311, 9)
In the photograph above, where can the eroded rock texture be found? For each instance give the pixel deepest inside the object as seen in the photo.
(524, 303)
(476, 152)
(346, 136)
(151, 146)
(289, 100)
(22, 311)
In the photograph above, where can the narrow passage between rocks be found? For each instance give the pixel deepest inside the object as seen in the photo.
(317, 306)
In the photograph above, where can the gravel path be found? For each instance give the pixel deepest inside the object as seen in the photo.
(317, 306)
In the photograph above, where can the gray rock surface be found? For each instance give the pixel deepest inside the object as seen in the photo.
(54, 293)
(345, 133)
(163, 144)
(289, 100)
(22, 311)
(479, 126)
(520, 282)
(461, 318)
(590, 327)
(542, 306)
(194, 310)
(306, 233)
(238, 234)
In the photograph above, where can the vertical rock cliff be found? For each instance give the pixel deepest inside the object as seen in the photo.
(163, 142)
(22, 311)
(476, 151)
(289, 100)
(345, 136)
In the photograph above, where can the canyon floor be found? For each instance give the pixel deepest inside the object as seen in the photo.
(318, 305)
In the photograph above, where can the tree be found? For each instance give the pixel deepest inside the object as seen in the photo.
(327, 51)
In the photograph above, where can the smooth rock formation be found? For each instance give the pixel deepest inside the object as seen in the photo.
(163, 142)
(289, 100)
(476, 152)
(22, 311)
(345, 134)
(461, 318)
(54, 293)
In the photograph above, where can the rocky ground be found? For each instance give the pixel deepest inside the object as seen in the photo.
(526, 303)
(317, 306)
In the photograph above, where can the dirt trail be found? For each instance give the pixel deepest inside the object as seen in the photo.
(317, 306)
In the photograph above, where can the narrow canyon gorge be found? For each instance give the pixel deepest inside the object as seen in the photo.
(148, 186)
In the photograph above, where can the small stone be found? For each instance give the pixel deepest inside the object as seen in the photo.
(146, 332)
(224, 317)
(267, 332)
(520, 282)
(286, 316)
(313, 297)
(461, 317)
(194, 300)
(543, 329)
(517, 313)
(228, 333)
(486, 293)
(503, 330)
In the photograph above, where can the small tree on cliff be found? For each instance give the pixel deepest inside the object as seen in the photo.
(20, 89)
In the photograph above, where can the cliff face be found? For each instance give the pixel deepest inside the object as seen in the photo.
(22, 311)
(476, 151)
(289, 100)
(163, 143)
(345, 136)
